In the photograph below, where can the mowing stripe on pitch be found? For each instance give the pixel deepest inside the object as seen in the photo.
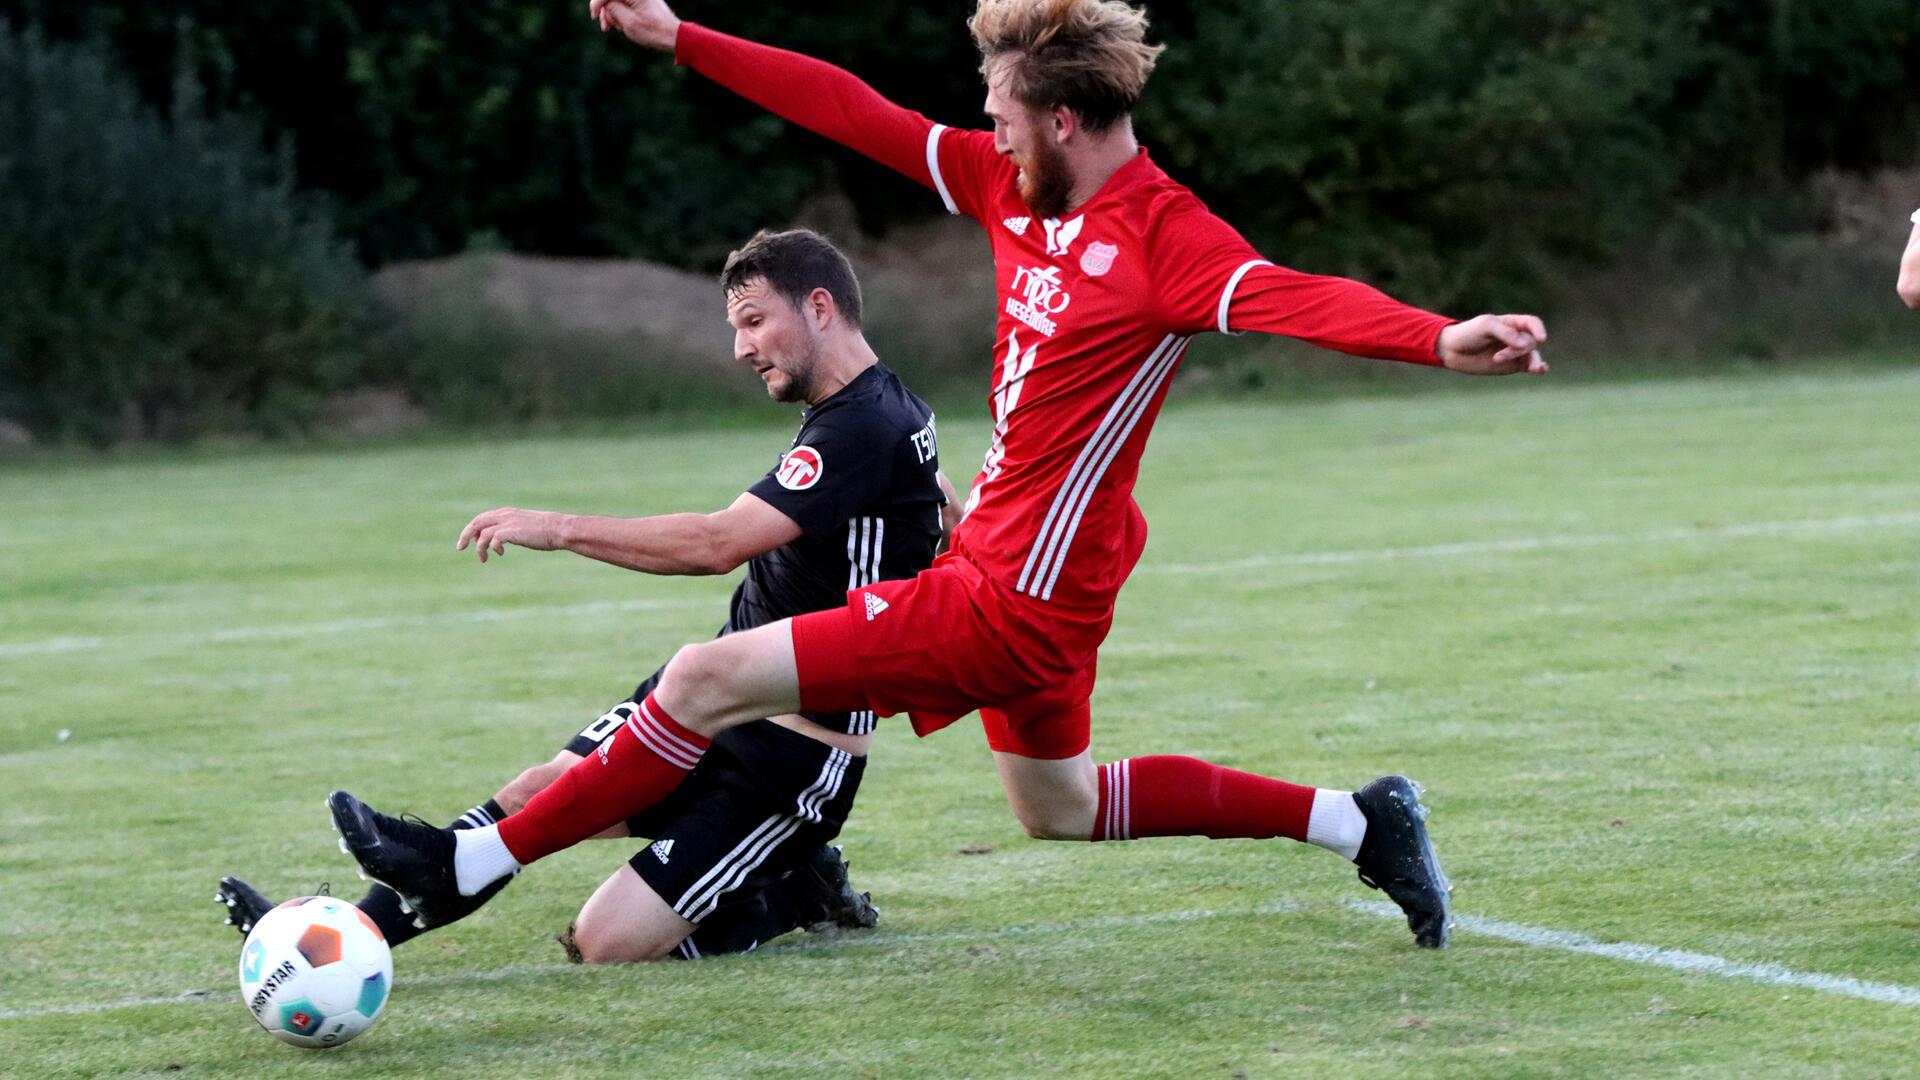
(1814, 526)
(1673, 959)
(282, 631)
(1738, 531)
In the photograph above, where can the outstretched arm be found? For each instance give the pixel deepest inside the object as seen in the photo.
(816, 95)
(683, 544)
(1910, 267)
(1211, 278)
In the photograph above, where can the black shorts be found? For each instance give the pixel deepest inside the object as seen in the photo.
(760, 802)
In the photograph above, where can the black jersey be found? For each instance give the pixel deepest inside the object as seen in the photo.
(859, 479)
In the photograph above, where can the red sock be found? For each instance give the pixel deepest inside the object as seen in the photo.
(1168, 795)
(634, 768)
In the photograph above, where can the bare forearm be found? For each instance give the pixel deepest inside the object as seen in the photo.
(1910, 271)
(669, 544)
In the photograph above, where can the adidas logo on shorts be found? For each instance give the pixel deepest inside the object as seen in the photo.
(875, 605)
(661, 849)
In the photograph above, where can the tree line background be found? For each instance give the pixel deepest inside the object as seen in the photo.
(192, 192)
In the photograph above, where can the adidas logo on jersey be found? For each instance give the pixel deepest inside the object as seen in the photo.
(875, 605)
(1018, 225)
(661, 849)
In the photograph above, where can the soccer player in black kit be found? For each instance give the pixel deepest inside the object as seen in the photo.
(740, 853)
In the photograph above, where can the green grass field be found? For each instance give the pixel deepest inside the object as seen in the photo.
(1653, 648)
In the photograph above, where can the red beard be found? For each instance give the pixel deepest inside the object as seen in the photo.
(1045, 182)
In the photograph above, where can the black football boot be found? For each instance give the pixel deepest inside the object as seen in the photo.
(1397, 858)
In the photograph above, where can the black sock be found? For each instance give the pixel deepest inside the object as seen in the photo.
(487, 813)
(382, 905)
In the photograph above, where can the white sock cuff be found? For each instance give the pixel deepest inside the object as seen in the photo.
(1336, 823)
(480, 858)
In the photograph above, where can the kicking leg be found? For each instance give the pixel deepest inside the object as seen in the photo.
(713, 686)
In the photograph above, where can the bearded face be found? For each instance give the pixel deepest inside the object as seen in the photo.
(1045, 179)
(773, 336)
(1028, 137)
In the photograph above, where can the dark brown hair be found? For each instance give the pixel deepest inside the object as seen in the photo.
(793, 264)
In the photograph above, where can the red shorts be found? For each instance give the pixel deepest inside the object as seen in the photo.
(948, 642)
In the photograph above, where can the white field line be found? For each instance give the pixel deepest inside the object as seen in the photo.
(284, 631)
(1674, 959)
(1693, 963)
(1542, 543)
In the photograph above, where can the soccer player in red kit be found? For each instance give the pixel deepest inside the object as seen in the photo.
(1106, 269)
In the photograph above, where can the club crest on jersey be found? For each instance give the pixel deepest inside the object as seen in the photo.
(1098, 259)
(1040, 297)
(1061, 235)
(800, 469)
(1017, 225)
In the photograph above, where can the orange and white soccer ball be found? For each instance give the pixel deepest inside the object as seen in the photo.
(315, 972)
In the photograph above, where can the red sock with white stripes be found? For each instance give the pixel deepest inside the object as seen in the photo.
(636, 767)
(1169, 795)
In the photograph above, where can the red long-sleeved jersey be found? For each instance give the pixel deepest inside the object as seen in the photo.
(1095, 312)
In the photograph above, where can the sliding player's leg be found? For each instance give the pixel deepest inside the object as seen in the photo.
(706, 689)
(384, 906)
(1059, 794)
(626, 920)
(739, 856)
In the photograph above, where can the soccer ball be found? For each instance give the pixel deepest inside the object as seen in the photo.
(315, 972)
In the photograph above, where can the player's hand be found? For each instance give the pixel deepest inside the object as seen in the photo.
(536, 530)
(645, 22)
(1494, 345)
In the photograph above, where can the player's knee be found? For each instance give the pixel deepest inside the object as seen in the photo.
(697, 676)
(688, 674)
(1051, 823)
(586, 942)
(514, 797)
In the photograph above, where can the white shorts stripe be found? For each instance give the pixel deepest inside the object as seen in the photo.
(704, 895)
(1091, 484)
(742, 866)
(1226, 294)
(933, 167)
(1055, 513)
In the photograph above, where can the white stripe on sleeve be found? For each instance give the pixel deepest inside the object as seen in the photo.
(933, 167)
(1226, 294)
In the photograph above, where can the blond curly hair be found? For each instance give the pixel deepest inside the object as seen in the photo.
(1089, 56)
